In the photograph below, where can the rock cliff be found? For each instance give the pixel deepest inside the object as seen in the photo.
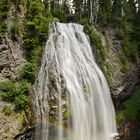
(11, 59)
(122, 74)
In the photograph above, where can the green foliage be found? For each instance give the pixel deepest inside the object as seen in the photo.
(8, 90)
(84, 21)
(120, 116)
(131, 106)
(123, 61)
(28, 71)
(23, 87)
(130, 10)
(4, 8)
(117, 11)
(36, 33)
(99, 51)
(104, 13)
(15, 92)
(58, 14)
(97, 43)
(130, 50)
(78, 7)
(14, 31)
(21, 101)
(7, 110)
(108, 73)
(2, 28)
(67, 138)
(135, 35)
(120, 34)
(126, 26)
(34, 8)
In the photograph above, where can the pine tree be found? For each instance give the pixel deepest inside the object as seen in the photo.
(78, 8)
(117, 8)
(47, 4)
(135, 35)
(104, 13)
(129, 42)
(118, 12)
(66, 7)
(130, 10)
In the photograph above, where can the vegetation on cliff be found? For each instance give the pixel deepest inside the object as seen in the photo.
(131, 106)
(121, 15)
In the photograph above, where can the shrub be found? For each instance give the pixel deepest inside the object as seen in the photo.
(96, 42)
(23, 87)
(84, 21)
(16, 92)
(14, 31)
(130, 50)
(131, 106)
(4, 7)
(8, 90)
(58, 14)
(120, 34)
(21, 101)
(37, 19)
(120, 116)
(28, 71)
(2, 28)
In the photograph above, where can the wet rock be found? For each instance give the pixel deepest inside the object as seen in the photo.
(130, 130)
(27, 135)
(125, 89)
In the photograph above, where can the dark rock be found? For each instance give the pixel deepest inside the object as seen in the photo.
(27, 135)
(123, 91)
(70, 18)
(130, 129)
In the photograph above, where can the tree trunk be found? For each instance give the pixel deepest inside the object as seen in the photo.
(93, 12)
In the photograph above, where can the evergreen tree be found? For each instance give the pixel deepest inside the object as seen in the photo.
(117, 8)
(104, 13)
(78, 8)
(129, 42)
(136, 27)
(47, 4)
(66, 7)
(130, 10)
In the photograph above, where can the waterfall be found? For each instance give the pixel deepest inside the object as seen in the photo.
(71, 96)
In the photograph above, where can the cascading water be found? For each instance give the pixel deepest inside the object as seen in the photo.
(72, 98)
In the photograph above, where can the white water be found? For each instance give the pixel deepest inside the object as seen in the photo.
(68, 69)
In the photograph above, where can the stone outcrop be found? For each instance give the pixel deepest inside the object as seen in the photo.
(27, 135)
(124, 78)
(129, 130)
(124, 90)
(11, 59)
(122, 81)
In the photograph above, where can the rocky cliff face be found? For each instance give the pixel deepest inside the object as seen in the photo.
(122, 74)
(11, 56)
(11, 59)
(124, 77)
(122, 82)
